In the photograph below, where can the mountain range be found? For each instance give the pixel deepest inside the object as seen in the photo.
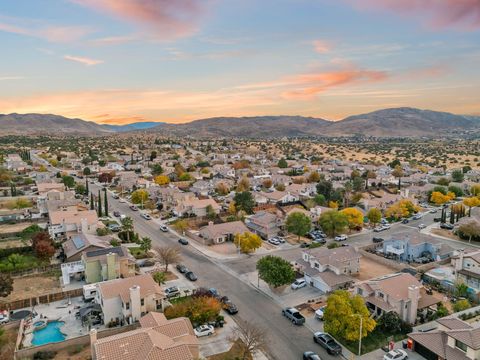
(394, 122)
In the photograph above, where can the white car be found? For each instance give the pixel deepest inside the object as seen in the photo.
(299, 283)
(4, 318)
(386, 226)
(342, 237)
(422, 226)
(163, 228)
(319, 313)
(204, 330)
(274, 241)
(146, 216)
(122, 201)
(397, 354)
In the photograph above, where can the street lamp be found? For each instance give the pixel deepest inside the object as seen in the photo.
(360, 333)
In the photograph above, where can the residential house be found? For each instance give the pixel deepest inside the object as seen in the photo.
(157, 338)
(329, 269)
(125, 301)
(219, 233)
(72, 220)
(467, 269)
(108, 264)
(264, 224)
(409, 247)
(76, 244)
(401, 293)
(45, 187)
(280, 197)
(197, 207)
(453, 339)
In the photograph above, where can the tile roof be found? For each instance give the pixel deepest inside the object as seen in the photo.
(453, 323)
(121, 287)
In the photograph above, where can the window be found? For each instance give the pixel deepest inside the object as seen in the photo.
(380, 295)
(317, 265)
(142, 302)
(359, 291)
(461, 345)
(127, 305)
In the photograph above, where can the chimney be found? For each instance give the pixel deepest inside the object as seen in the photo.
(111, 271)
(414, 297)
(459, 260)
(83, 225)
(135, 305)
(93, 340)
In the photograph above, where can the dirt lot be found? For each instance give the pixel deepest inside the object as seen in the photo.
(30, 286)
(11, 228)
(11, 244)
(445, 233)
(370, 269)
(74, 353)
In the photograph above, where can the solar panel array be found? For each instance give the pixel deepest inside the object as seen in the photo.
(78, 242)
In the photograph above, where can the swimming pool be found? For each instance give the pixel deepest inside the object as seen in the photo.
(49, 334)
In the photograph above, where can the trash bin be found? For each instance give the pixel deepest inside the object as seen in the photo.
(404, 344)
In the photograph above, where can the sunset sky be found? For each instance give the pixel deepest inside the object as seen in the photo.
(121, 61)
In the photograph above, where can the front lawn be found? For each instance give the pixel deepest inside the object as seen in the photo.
(375, 340)
(138, 253)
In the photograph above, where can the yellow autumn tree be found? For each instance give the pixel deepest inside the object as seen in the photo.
(401, 209)
(471, 202)
(333, 205)
(248, 242)
(439, 199)
(354, 216)
(162, 180)
(243, 184)
(475, 190)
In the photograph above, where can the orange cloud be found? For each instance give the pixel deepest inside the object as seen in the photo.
(463, 14)
(83, 60)
(165, 18)
(321, 46)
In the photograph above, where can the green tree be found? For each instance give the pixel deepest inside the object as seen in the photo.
(456, 190)
(357, 183)
(15, 259)
(275, 271)
(157, 169)
(247, 242)
(68, 181)
(80, 189)
(374, 215)
(244, 201)
(325, 188)
(92, 202)
(298, 223)
(87, 171)
(282, 163)
(160, 277)
(127, 226)
(106, 201)
(6, 284)
(458, 176)
(461, 290)
(145, 244)
(211, 214)
(342, 316)
(333, 222)
(393, 164)
(99, 204)
(319, 199)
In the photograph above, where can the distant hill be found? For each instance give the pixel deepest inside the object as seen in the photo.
(396, 122)
(48, 124)
(132, 127)
(408, 122)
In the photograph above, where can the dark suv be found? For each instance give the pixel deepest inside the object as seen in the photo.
(327, 342)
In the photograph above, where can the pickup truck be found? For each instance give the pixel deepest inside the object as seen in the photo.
(294, 316)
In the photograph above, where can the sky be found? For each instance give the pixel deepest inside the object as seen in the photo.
(122, 61)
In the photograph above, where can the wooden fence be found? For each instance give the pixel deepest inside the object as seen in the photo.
(42, 299)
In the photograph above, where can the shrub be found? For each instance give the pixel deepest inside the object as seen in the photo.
(198, 309)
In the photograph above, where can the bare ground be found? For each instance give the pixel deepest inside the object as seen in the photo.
(31, 286)
(370, 269)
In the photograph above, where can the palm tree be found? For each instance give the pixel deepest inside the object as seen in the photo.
(127, 226)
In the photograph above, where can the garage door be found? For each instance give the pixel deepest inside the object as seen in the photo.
(426, 353)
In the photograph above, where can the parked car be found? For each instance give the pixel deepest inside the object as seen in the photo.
(172, 292)
(114, 227)
(163, 228)
(115, 196)
(304, 245)
(230, 307)
(310, 355)
(146, 216)
(446, 226)
(378, 229)
(437, 219)
(294, 316)
(417, 216)
(280, 239)
(299, 283)
(182, 269)
(433, 211)
(4, 317)
(341, 237)
(377, 239)
(397, 354)
(422, 226)
(327, 342)
(386, 226)
(183, 241)
(405, 221)
(116, 213)
(319, 313)
(191, 276)
(204, 330)
(133, 208)
(273, 241)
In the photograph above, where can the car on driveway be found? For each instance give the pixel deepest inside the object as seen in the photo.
(446, 226)
(320, 312)
(146, 216)
(299, 283)
(310, 355)
(183, 241)
(163, 228)
(327, 342)
(182, 269)
(133, 208)
(172, 292)
(397, 354)
(191, 276)
(4, 318)
(341, 237)
(204, 330)
(114, 227)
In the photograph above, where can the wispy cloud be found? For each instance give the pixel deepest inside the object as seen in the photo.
(42, 30)
(113, 40)
(164, 19)
(461, 14)
(321, 46)
(83, 60)
(9, 78)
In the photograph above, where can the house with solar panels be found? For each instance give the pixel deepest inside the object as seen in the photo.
(76, 244)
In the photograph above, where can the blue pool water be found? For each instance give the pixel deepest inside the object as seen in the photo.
(50, 334)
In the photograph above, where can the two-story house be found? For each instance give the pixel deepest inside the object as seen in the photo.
(329, 269)
(264, 224)
(453, 339)
(72, 220)
(127, 300)
(467, 269)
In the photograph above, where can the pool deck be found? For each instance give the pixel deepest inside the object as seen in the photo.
(58, 311)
